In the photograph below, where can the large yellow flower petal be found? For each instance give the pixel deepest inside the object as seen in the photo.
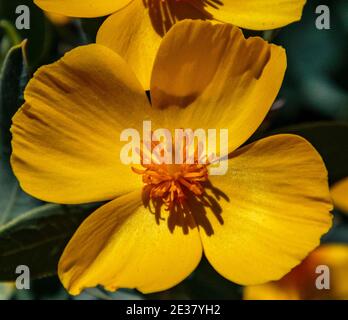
(300, 283)
(256, 14)
(130, 33)
(82, 8)
(124, 245)
(222, 79)
(66, 137)
(136, 31)
(339, 193)
(278, 208)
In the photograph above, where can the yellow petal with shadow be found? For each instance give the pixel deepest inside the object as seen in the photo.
(276, 208)
(66, 137)
(254, 14)
(222, 80)
(125, 245)
(136, 31)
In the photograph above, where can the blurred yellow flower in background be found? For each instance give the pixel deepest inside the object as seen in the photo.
(300, 283)
(254, 224)
(6, 290)
(135, 28)
(339, 193)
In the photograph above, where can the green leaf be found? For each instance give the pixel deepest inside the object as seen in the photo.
(11, 32)
(10, 38)
(13, 78)
(37, 239)
(331, 141)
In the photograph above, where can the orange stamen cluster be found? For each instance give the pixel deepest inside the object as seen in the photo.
(171, 183)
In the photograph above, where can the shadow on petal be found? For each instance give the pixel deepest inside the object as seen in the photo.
(165, 13)
(192, 212)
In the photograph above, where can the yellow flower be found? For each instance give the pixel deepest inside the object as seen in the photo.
(300, 283)
(339, 193)
(254, 224)
(135, 28)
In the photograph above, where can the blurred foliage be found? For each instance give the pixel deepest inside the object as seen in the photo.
(315, 86)
(37, 239)
(13, 78)
(313, 103)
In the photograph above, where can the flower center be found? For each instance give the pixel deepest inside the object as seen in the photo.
(172, 183)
